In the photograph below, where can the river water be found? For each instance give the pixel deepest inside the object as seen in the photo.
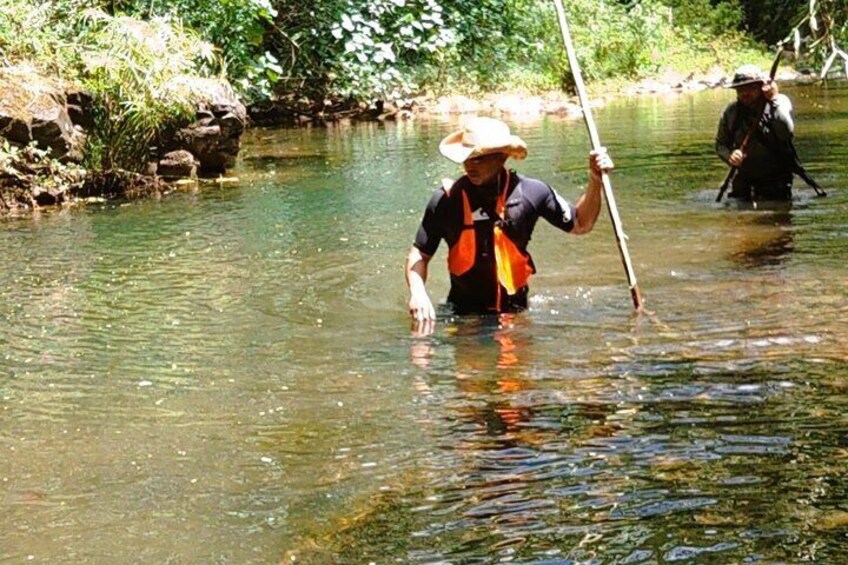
(228, 375)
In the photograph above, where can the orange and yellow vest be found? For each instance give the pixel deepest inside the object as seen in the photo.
(514, 266)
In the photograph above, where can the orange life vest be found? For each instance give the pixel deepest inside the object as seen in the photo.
(513, 266)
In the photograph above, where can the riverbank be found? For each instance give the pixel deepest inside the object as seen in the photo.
(508, 105)
(61, 144)
(33, 179)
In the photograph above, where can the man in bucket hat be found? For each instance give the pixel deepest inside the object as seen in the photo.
(487, 217)
(765, 163)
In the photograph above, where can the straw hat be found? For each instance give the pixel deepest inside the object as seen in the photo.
(482, 136)
(747, 74)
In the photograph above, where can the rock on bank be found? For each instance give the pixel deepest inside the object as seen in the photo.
(45, 123)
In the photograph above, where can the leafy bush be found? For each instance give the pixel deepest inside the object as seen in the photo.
(238, 28)
(139, 72)
(820, 33)
(393, 48)
(714, 18)
(135, 70)
(38, 34)
(383, 42)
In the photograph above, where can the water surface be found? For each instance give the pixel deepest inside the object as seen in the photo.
(228, 375)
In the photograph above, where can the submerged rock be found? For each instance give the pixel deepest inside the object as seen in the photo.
(123, 184)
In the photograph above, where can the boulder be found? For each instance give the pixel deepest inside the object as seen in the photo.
(517, 106)
(44, 196)
(456, 105)
(14, 129)
(214, 137)
(33, 108)
(177, 164)
(80, 106)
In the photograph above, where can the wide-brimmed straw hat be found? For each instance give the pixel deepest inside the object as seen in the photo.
(747, 74)
(482, 136)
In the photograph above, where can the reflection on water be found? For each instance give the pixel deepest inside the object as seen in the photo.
(229, 375)
(771, 245)
(568, 466)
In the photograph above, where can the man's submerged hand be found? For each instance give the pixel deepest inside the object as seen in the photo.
(421, 308)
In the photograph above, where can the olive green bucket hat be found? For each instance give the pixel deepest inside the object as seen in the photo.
(747, 74)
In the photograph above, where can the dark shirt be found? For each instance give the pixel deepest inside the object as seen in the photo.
(527, 200)
(766, 172)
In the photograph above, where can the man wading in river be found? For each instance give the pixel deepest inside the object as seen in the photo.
(765, 164)
(487, 218)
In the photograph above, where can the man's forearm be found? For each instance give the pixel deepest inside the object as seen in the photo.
(589, 206)
(416, 270)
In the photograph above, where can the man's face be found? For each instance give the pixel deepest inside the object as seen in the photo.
(750, 94)
(484, 169)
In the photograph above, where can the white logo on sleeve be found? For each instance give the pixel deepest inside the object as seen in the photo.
(566, 208)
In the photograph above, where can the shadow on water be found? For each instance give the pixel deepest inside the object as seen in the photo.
(770, 245)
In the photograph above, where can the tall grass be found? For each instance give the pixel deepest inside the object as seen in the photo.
(38, 34)
(136, 71)
(143, 75)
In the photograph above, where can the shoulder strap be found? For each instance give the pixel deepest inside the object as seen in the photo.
(791, 153)
(799, 170)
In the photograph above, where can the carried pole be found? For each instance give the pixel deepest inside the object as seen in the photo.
(620, 237)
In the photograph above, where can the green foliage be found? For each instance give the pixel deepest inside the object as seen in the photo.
(390, 49)
(820, 33)
(616, 41)
(138, 72)
(646, 38)
(383, 42)
(817, 29)
(46, 32)
(710, 17)
(238, 28)
(143, 75)
(393, 49)
(482, 54)
(38, 34)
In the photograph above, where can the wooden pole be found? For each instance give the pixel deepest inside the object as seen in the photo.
(620, 237)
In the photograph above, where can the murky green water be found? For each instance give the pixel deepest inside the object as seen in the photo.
(229, 375)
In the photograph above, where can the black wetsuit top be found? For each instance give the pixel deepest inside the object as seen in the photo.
(527, 200)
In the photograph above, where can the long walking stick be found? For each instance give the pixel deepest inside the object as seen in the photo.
(734, 170)
(620, 236)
